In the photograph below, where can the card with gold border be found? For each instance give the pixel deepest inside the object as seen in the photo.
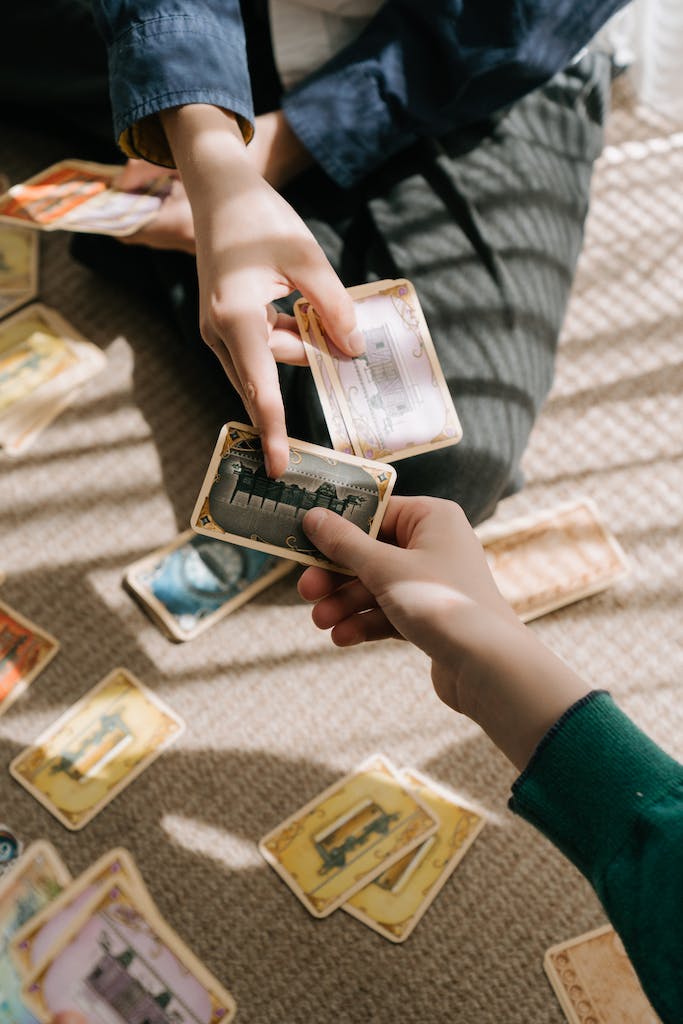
(193, 582)
(25, 650)
(18, 268)
(594, 980)
(549, 559)
(118, 953)
(44, 360)
(34, 943)
(97, 747)
(346, 836)
(393, 399)
(238, 501)
(79, 195)
(394, 902)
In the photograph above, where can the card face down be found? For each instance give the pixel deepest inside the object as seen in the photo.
(25, 650)
(346, 836)
(120, 954)
(79, 764)
(195, 581)
(550, 559)
(393, 903)
(393, 399)
(593, 979)
(77, 195)
(238, 502)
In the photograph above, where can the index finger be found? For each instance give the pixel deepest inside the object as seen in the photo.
(318, 282)
(246, 338)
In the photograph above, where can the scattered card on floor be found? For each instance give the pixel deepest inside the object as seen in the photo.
(393, 903)
(195, 581)
(346, 836)
(35, 942)
(25, 650)
(120, 954)
(393, 400)
(43, 361)
(594, 980)
(240, 503)
(37, 879)
(10, 849)
(550, 559)
(18, 268)
(77, 195)
(79, 764)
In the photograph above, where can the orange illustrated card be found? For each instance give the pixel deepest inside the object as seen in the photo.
(25, 650)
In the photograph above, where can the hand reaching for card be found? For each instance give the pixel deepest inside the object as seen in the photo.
(426, 580)
(252, 248)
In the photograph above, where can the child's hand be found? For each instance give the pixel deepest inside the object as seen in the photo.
(252, 248)
(427, 580)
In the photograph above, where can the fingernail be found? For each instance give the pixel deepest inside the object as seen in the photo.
(355, 342)
(313, 520)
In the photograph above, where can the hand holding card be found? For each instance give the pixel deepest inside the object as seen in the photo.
(239, 502)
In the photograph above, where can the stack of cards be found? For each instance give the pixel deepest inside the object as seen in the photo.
(594, 980)
(393, 401)
(25, 650)
(75, 195)
(43, 362)
(379, 843)
(550, 559)
(240, 503)
(195, 581)
(98, 945)
(18, 268)
(97, 747)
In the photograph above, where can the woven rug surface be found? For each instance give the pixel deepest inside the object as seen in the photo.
(274, 713)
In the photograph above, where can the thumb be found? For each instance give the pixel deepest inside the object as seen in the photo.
(339, 540)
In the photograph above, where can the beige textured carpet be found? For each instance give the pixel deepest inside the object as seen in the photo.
(274, 713)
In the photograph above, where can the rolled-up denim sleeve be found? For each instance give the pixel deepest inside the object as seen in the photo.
(164, 55)
(426, 67)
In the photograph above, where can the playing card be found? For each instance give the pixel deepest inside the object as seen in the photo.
(393, 399)
(35, 942)
(10, 849)
(76, 195)
(25, 650)
(18, 268)
(119, 960)
(79, 764)
(334, 419)
(43, 360)
(38, 877)
(346, 836)
(552, 558)
(594, 981)
(240, 503)
(195, 581)
(393, 903)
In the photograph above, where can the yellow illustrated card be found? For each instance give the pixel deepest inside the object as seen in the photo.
(31, 354)
(121, 961)
(96, 748)
(395, 901)
(347, 836)
(18, 260)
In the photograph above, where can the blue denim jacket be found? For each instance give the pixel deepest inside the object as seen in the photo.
(420, 68)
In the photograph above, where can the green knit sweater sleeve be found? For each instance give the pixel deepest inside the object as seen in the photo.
(612, 801)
